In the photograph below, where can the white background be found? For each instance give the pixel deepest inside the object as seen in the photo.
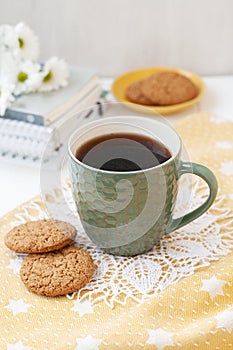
(115, 36)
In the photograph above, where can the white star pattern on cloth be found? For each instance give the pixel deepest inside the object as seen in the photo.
(18, 346)
(224, 144)
(220, 119)
(17, 306)
(88, 343)
(213, 286)
(160, 338)
(225, 320)
(83, 307)
(15, 265)
(227, 168)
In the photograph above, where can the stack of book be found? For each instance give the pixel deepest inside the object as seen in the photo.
(33, 119)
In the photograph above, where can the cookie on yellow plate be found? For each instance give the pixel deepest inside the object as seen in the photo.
(134, 93)
(168, 88)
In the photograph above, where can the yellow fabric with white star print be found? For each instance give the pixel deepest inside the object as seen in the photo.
(195, 313)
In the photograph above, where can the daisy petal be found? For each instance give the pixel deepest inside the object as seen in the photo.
(55, 75)
(28, 42)
(28, 77)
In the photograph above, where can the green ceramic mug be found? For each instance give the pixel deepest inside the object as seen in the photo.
(126, 213)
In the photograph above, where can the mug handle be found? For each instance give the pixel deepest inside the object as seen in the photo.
(207, 175)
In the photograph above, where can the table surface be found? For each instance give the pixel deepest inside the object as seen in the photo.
(18, 183)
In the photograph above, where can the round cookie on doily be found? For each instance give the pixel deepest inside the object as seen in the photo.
(40, 236)
(57, 273)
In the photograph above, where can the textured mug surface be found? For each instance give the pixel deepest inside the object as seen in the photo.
(126, 213)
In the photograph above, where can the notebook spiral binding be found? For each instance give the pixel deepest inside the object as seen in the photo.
(20, 141)
(25, 143)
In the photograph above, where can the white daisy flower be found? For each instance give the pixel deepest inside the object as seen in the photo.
(7, 80)
(28, 77)
(9, 38)
(6, 97)
(8, 68)
(55, 74)
(28, 42)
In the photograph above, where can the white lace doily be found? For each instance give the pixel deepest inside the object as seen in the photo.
(178, 254)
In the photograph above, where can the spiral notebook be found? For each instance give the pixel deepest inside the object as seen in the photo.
(23, 142)
(26, 143)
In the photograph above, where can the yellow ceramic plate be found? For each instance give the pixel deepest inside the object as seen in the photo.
(120, 84)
